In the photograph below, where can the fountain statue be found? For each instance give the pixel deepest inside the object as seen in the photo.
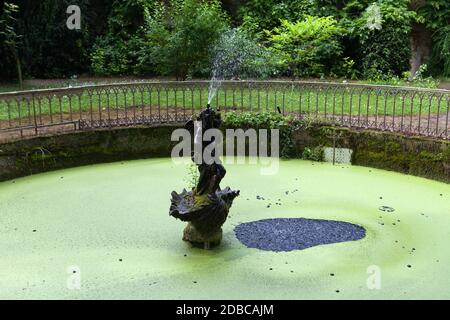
(206, 206)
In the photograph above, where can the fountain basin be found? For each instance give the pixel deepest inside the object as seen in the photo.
(109, 223)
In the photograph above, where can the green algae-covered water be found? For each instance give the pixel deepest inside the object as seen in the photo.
(106, 228)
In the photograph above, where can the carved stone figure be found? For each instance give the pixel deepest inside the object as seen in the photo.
(206, 206)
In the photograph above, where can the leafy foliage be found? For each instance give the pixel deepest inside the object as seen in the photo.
(260, 15)
(307, 47)
(440, 58)
(118, 51)
(8, 25)
(179, 37)
(11, 39)
(306, 38)
(237, 55)
(435, 14)
(385, 51)
(268, 120)
(50, 49)
(314, 154)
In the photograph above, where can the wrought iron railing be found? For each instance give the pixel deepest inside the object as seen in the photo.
(412, 111)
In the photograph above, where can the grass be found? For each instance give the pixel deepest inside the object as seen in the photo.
(12, 87)
(304, 100)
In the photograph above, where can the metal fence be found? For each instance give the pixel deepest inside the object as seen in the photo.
(412, 111)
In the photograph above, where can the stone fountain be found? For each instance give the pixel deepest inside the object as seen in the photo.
(206, 206)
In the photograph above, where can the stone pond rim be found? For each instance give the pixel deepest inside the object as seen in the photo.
(418, 156)
(288, 234)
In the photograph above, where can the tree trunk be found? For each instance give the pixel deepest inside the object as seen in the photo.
(420, 47)
(19, 70)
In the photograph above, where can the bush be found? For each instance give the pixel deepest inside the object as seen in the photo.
(179, 37)
(383, 31)
(435, 15)
(115, 56)
(266, 14)
(268, 120)
(440, 57)
(49, 49)
(238, 55)
(307, 48)
(306, 38)
(314, 154)
(117, 52)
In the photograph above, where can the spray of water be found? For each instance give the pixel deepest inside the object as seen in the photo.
(229, 56)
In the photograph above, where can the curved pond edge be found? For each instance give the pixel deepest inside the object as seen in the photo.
(418, 156)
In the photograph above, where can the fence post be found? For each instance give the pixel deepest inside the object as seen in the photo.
(34, 115)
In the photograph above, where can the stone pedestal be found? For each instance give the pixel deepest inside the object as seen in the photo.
(192, 235)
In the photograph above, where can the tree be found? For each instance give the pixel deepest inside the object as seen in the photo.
(11, 38)
(435, 16)
(383, 31)
(50, 49)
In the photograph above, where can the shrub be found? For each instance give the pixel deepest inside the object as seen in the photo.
(308, 47)
(179, 37)
(239, 55)
(117, 52)
(435, 15)
(440, 57)
(314, 154)
(268, 120)
(49, 49)
(383, 31)
(266, 14)
(115, 55)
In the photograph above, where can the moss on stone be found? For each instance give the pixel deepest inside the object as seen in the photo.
(425, 157)
(42, 154)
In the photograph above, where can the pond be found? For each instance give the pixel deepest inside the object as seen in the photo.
(107, 229)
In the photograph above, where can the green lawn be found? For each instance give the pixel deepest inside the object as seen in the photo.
(11, 87)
